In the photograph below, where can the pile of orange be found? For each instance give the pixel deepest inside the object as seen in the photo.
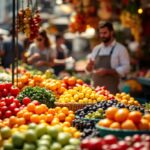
(126, 99)
(70, 82)
(123, 119)
(57, 86)
(40, 113)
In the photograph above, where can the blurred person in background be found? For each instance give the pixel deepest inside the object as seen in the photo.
(61, 54)
(9, 53)
(109, 61)
(40, 54)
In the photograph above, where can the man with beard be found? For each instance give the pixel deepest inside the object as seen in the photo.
(109, 60)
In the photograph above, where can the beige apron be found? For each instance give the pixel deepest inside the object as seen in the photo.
(111, 82)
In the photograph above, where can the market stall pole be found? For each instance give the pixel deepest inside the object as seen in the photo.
(13, 39)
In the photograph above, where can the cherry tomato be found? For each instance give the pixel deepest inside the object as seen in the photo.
(8, 85)
(8, 101)
(12, 106)
(8, 113)
(26, 100)
(4, 92)
(14, 91)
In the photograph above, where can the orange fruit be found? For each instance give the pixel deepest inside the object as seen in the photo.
(27, 115)
(61, 116)
(105, 122)
(135, 116)
(65, 110)
(121, 115)
(147, 117)
(115, 125)
(31, 107)
(65, 79)
(128, 125)
(72, 81)
(66, 124)
(72, 116)
(57, 109)
(13, 120)
(77, 134)
(49, 118)
(51, 111)
(79, 81)
(35, 118)
(43, 117)
(110, 112)
(38, 110)
(68, 119)
(55, 121)
(143, 125)
(21, 121)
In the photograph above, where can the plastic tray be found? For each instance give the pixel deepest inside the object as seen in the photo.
(119, 133)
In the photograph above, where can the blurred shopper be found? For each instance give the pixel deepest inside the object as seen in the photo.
(61, 54)
(40, 54)
(109, 60)
(9, 52)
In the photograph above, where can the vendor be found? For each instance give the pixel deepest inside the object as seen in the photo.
(109, 60)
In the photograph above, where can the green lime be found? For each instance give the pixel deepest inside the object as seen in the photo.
(5, 132)
(74, 141)
(43, 143)
(63, 138)
(70, 147)
(30, 135)
(29, 146)
(42, 148)
(56, 146)
(32, 125)
(18, 140)
(41, 129)
(8, 146)
(46, 137)
(52, 131)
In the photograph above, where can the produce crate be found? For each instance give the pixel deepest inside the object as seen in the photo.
(119, 133)
(72, 106)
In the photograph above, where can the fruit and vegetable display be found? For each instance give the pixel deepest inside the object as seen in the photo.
(126, 99)
(37, 93)
(111, 142)
(103, 91)
(100, 107)
(38, 137)
(30, 115)
(7, 89)
(124, 119)
(80, 94)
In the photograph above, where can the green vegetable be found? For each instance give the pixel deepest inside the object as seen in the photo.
(37, 93)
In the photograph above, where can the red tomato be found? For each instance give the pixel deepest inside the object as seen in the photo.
(26, 100)
(2, 103)
(4, 109)
(16, 110)
(4, 92)
(14, 91)
(1, 115)
(12, 106)
(8, 85)
(17, 102)
(8, 101)
(8, 113)
(2, 86)
(35, 102)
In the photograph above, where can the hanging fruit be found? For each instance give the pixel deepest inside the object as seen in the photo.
(28, 20)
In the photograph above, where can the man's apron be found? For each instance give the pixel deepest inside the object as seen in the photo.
(111, 82)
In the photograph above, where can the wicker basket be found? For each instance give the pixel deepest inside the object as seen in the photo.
(72, 106)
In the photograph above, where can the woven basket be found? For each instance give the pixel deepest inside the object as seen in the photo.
(72, 106)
